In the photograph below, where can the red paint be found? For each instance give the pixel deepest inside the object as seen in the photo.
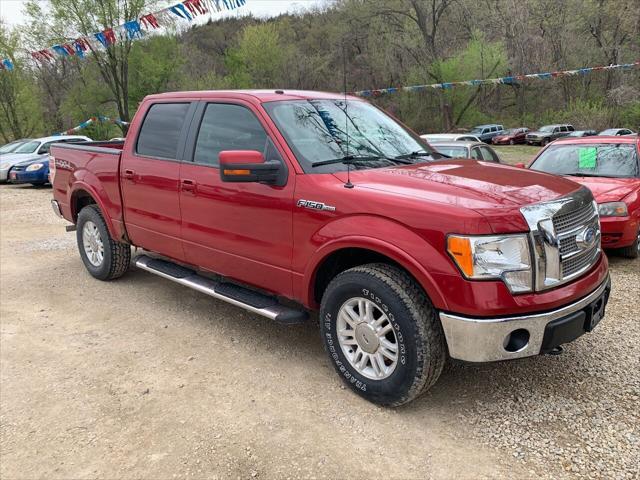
(617, 232)
(256, 234)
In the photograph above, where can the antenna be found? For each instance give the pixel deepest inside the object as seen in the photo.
(346, 117)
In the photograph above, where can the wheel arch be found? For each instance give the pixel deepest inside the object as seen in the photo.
(348, 253)
(83, 195)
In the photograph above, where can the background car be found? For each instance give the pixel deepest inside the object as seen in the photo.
(475, 150)
(582, 133)
(32, 150)
(12, 146)
(511, 136)
(548, 133)
(610, 167)
(486, 132)
(34, 171)
(449, 137)
(617, 131)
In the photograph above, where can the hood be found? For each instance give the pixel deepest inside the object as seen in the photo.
(481, 186)
(30, 160)
(606, 189)
(13, 158)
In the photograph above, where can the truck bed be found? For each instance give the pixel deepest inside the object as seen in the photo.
(91, 168)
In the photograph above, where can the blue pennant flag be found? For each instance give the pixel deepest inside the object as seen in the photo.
(133, 29)
(8, 64)
(102, 39)
(60, 50)
(180, 10)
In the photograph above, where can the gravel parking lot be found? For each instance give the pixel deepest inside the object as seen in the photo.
(141, 378)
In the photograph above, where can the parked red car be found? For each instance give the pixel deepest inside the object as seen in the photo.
(283, 202)
(512, 137)
(610, 168)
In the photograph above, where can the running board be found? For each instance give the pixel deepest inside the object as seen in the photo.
(242, 297)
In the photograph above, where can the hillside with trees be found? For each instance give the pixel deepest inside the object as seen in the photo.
(381, 43)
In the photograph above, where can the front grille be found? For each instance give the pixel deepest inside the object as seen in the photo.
(565, 222)
(579, 262)
(566, 236)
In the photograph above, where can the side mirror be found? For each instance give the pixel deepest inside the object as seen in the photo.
(520, 165)
(250, 166)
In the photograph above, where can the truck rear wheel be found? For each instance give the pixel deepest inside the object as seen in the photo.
(104, 258)
(382, 334)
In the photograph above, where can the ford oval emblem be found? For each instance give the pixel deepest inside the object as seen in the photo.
(586, 238)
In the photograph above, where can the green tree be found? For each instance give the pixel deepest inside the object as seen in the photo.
(20, 114)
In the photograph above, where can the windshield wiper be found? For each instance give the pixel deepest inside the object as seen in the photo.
(416, 154)
(355, 159)
(575, 174)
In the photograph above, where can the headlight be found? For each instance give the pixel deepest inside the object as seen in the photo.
(613, 209)
(504, 257)
(34, 166)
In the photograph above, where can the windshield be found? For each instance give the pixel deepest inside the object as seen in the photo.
(28, 147)
(454, 152)
(319, 130)
(601, 160)
(547, 128)
(477, 130)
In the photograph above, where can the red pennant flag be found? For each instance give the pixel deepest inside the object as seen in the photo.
(109, 36)
(149, 20)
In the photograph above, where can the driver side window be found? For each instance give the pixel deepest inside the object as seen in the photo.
(226, 126)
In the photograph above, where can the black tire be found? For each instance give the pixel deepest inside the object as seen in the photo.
(633, 250)
(420, 339)
(545, 141)
(512, 142)
(116, 257)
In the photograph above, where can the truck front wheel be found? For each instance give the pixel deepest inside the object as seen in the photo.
(104, 258)
(382, 334)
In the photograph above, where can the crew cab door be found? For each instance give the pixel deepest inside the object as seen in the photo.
(150, 178)
(239, 230)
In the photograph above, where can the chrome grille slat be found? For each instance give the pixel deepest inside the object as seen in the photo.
(563, 222)
(576, 264)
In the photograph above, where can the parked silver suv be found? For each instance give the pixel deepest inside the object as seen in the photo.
(549, 133)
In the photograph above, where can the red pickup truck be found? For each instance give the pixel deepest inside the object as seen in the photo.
(287, 202)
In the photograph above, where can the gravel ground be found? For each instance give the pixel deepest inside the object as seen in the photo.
(141, 378)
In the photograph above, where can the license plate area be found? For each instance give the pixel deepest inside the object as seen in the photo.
(595, 311)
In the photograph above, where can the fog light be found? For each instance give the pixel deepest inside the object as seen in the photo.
(516, 341)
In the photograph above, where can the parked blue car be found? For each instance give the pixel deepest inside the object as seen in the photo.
(486, 132)
(34, 171)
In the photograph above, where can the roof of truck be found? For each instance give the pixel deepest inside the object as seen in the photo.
(259, 95)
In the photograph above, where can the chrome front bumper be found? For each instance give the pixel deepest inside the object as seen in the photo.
(485, 340)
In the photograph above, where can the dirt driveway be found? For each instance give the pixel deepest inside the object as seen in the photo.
(141, 378)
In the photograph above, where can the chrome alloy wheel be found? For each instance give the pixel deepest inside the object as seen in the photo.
(367, 338)
(92, 243)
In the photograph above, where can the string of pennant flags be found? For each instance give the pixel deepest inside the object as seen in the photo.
(510, 80)
(131, 30)
(86, 123)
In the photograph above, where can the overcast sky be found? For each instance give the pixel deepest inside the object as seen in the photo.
(11, 10)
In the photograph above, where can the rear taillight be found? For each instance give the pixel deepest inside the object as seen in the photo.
(52, 168)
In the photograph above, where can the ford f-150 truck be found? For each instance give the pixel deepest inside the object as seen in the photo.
(288, 202)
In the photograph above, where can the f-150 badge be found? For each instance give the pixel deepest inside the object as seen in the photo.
(310, 204)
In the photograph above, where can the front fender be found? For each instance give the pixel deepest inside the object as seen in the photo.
(408, 249)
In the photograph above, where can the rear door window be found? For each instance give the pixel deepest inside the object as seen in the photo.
(160, 132)
(488, 155)
(475, 153)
